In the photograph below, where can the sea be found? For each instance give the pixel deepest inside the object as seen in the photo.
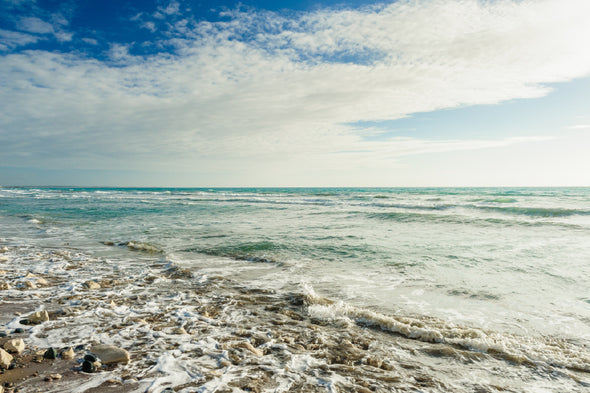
(308, 289)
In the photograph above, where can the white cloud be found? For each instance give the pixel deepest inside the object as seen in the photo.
(35, 25)
(289, 90)
(90, 41)
(151, 26)
(13, 39)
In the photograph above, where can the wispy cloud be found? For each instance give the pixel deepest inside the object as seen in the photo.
(35, 25)
(266, 85)
(13, 39)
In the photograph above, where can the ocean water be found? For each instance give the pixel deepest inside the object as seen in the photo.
(321, 290)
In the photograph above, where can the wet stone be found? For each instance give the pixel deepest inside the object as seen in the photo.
(51, 353)
(15, 346)
(109, 354)
(38, 317)
(67, 353)
(90, 357)
(88, 367)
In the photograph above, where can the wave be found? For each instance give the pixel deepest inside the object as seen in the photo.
(250, 251)
(136, 246)
(406, 217)
(531, 351)
(543, 212)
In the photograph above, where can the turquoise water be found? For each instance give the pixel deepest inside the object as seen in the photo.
(511, 264)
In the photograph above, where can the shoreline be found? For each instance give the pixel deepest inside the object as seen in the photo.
(189, 331)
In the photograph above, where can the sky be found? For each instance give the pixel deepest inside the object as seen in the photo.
(261, 93)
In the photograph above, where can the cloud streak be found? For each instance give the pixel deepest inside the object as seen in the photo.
(262, 85)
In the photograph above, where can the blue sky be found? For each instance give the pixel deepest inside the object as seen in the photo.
(295, 93)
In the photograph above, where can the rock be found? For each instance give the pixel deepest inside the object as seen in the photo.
(90, 367)
(3, 259)
(2, 272)
(5, 359)
(18, 330)
(3, 250)
(249, 347)
(90, 357)
(179, 330)
(38, 317)
(30, 284)
(109, 354)
(42, 281)
(1, 389)
(51, 353)
(92, 285)
(52, 377)
(5, 286)
(30, 275)
(67, 354)
(16, 345)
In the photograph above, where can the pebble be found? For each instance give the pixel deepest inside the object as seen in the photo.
(180, 330)
(16, 345)
(42, 281)
(38, 317)
(67, 354)
(109, 354)
(3, 249)
(53, 377)
(19, 330)
(90, 367)
(51, 353)
(5, 359)
(5, 286)
(90, 357)
(92, 285)
(30, 284)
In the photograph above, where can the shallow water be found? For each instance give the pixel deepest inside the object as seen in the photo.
(434, 290)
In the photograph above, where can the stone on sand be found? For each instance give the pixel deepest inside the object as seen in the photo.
(68, 354)
(38, 317)
(92, 285)
(5, 359)
(16, 345)
(30, 284)
(109, 354)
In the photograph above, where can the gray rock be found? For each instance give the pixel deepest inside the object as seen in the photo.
(109, 354)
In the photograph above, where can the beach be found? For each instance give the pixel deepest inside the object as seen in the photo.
(234, 290)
